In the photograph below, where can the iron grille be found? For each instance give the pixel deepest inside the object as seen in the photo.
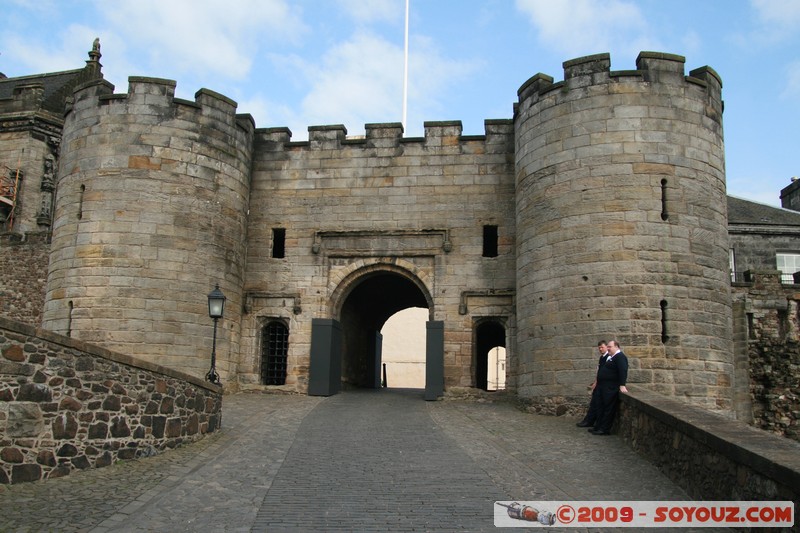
(274, 348)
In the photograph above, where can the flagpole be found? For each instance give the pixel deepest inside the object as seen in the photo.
(405, 72)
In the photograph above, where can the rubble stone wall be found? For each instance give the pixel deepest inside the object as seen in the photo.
(67, 405)
(23, 276)
(772, 323)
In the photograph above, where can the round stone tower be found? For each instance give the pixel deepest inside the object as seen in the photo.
(150, 215)
(622, 231)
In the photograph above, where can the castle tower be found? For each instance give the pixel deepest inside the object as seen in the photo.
(621, 230)
(150, 214)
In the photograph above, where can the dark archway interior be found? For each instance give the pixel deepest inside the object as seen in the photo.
(488, 335)
(367, 308)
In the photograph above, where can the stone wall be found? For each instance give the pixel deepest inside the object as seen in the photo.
(29, 144)
(150, 215)
(379, 209)
(23, 276)
(772, 325)
(622, 230)
(710, 456)
(67, 405)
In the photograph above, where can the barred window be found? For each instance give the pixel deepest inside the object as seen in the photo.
(274, 350)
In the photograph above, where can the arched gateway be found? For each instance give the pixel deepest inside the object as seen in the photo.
(346, 350)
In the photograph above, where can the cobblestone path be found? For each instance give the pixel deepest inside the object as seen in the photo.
(359, 461)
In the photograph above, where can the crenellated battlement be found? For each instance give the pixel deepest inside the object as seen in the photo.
(389, 135)
(654, 68)
(149, 96)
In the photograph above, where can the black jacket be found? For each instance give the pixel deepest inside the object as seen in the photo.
(614, 371)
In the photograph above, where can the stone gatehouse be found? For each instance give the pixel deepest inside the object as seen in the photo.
(597, 210)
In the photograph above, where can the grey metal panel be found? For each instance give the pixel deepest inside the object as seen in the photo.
(434, 359)
(376, 377)
(325, 372)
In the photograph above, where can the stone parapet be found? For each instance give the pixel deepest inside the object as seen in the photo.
(712, 457)
(389, 135)
(67, 405)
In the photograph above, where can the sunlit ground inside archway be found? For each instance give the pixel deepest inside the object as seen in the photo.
(496, 369)
(404, 348)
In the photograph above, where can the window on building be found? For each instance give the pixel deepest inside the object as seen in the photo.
(278, 243)
(274, 351)
(788, 264)
(490, 241)
(732, 264)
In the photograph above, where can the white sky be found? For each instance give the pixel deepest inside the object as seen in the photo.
(301, 63)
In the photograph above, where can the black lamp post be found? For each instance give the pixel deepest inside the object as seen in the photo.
(216, 306)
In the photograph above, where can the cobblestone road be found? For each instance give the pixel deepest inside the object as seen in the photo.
(360, 461)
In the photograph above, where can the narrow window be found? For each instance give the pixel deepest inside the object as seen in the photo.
(490, 241)
(664, 335)
(664, 214)
(751, 326)
(274, 351)
(732, 264)
(278, 243)
(69, 319)
(80, 202)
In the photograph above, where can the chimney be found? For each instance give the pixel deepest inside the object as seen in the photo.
(790, 196)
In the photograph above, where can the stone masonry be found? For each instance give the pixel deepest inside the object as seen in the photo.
(23, 276)
(159, 199)
(621, 228)
(770, 317)
(65, 405)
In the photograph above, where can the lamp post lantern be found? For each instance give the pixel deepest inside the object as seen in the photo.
(216, 307)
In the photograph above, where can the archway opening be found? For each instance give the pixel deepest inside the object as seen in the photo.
(403, 352)
(490, 344)
(370, 303)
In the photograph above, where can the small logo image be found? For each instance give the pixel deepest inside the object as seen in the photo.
(518, 511)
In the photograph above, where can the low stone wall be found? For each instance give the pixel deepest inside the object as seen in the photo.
(67, 405)
(708, 455)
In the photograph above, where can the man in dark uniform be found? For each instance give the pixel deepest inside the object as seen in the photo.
(611, 378)
(594, 404)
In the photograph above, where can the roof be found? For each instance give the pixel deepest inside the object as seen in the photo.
(57, 86)
(745, 212)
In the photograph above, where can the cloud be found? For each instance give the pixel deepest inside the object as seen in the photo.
(778, 13)
(359, 81)
(581, 27)
(774, 22)
(374, 10)
(202, 37)
(68, 51)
